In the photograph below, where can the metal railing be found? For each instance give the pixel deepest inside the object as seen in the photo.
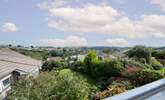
(143, 92)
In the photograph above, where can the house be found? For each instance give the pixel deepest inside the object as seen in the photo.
(79, 57)
(102, 56)
(54, 59)
(14, 65)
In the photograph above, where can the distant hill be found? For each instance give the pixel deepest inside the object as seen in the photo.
(160, 48)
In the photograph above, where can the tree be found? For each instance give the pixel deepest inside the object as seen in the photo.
(53, 53)
(89, 61)
(106, 51)
(10, 45)
(32, 46)
(139, 52)
(90, 57)
(50, 65)
(145, 76)
(113, 68)
(159, 54)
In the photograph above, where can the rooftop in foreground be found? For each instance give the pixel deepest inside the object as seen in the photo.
(11, 60)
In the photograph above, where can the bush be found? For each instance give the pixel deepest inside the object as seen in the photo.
(105, 69)
(50, 65)
(128, 71)
(159, 54)
(139, 52)
(90, 61)
(113, 68)
(156, 64)
(55, 85)
(145, 76)
(102, 69)
(116, 87)
(133, 63)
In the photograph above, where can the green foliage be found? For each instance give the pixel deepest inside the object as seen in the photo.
(39, 55)
(90, 58)
(140, 52)
(159, 54)
(145, 76)
(54, 53)
(162, 71)
(78, 66)
(55, 85)
(105, 69)
(156, 64)
(50, 65)
(133, 63)
(90, 62)
(116, 87)
(113, 68)
(97, 69)
(107, 51)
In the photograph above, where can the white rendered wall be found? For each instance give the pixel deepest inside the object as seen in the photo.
(4, 89)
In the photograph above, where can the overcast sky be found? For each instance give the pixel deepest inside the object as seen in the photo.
(82, 22)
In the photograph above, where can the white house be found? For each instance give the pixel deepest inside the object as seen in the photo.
(14, 65)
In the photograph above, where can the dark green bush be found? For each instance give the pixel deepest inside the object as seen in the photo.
(113, 68)
(145, 76)
(50, 65)
(104, 69)
(139, 52)
(159, 54)
(101, 69)
(56, 85)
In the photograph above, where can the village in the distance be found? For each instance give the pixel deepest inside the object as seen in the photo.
(76, 72)
(82, 49)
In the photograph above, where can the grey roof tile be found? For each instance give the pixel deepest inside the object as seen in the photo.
(11, 60)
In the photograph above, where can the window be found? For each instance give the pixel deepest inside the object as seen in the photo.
(6, 82)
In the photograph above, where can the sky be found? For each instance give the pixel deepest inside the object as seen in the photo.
(77, 23)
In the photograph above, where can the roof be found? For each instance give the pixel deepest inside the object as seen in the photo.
(11, 60)
(54, 58)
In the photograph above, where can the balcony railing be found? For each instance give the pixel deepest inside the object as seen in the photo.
(151, 91)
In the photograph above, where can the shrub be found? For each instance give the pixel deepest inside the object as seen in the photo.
(56, 85)
(133, 63)
(116, 87)
(103, 69)
(145, 76)
(128, 71)
(140, 52)
(159, 54)
(113, 68)
(142, 60)
(50, 65)
(90, 61)
(156, 64)
(106, 69)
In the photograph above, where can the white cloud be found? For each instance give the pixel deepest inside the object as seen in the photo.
(104, 19)
(160, 3)
(151, 25)
(9, 27)
(74, 41)
(48, 4)
(116, 42)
